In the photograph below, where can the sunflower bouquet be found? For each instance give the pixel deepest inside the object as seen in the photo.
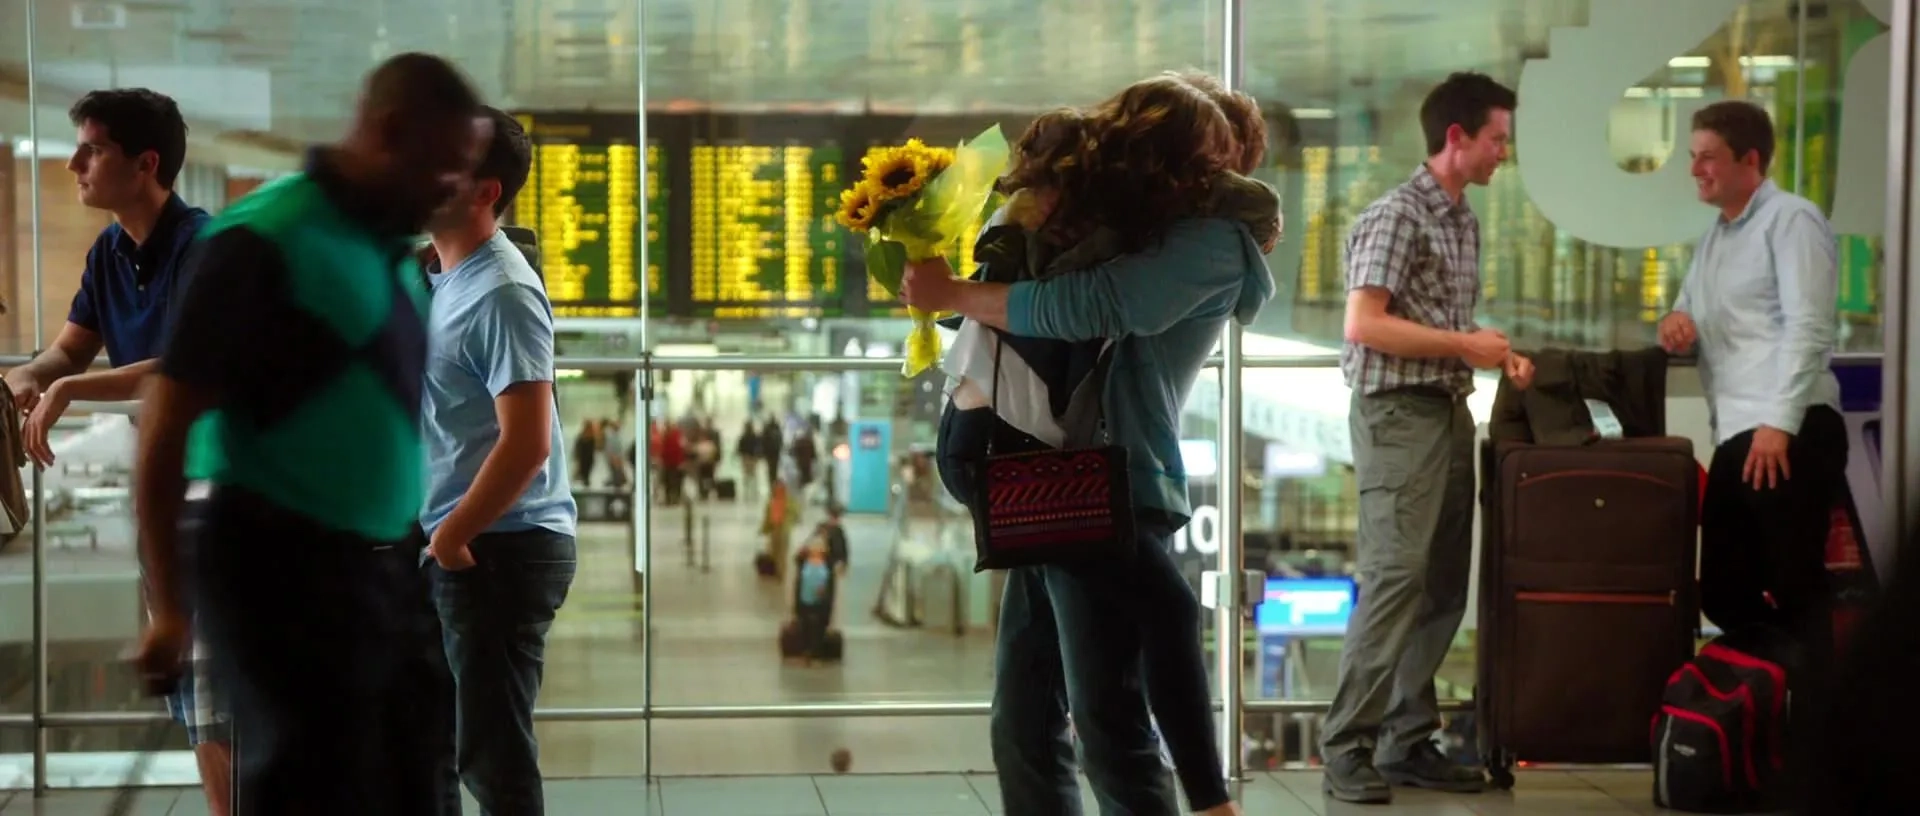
(915, 202)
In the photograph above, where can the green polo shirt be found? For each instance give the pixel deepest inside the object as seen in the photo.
(304, 316)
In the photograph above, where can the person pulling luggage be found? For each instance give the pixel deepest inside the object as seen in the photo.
(815, 585)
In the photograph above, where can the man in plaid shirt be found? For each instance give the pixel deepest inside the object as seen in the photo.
(1413, 277)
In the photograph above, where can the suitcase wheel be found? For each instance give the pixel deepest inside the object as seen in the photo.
(1500, 769)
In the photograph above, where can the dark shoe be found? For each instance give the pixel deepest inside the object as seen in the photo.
(1351, 777)
(1427, 768)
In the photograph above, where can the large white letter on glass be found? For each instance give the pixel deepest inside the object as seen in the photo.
(1561, 126)
(1859, 187)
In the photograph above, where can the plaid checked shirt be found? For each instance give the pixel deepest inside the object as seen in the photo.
(1424, 249)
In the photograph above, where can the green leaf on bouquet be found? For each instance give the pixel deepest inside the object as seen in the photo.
(886, 264)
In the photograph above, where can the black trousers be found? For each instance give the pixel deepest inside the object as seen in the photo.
(1763, 557)
(317, 638)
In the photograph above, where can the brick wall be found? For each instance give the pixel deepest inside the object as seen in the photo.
(67, 230)
(9, 236)
(238, 188)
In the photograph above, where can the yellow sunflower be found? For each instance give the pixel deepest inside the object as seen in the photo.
(937, 159)
(900, 172)
(858, 206)
(891, 172)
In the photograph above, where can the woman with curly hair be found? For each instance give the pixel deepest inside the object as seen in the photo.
(1140, 171)
(1024, 241)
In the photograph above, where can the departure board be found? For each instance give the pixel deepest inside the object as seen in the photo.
(765, 244)
(583, 197)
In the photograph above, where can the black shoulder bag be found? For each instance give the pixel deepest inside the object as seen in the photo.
(1063, 506)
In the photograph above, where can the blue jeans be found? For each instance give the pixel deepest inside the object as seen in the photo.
(494, 620)
(1093, 640)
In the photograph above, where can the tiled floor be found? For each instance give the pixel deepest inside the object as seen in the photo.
(713, 644)
(1539, 793)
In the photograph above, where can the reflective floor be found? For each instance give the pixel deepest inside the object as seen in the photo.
(715, 623)
(714, 644)
(1539, 793)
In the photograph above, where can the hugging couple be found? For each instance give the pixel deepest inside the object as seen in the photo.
(1130, 237)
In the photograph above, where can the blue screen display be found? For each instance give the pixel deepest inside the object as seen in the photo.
(1305, 606)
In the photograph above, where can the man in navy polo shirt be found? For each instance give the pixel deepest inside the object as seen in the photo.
(132, 143)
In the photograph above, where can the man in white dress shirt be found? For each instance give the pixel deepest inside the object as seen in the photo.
(1759, 307)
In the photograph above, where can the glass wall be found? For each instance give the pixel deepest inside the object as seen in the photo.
(16, 269)
(689, 157)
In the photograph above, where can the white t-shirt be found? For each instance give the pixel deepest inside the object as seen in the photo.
(1023, 399)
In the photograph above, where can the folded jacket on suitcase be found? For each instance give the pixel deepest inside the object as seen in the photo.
(1587, 596)
(1555, 408)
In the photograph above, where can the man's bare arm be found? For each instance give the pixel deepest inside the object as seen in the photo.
(525, 414)
(73, 350)
(115, 385)
(112, 385)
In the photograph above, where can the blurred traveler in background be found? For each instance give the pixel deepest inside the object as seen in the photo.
(747, 452)
(613, 448)
(773, 447)
(586, 452)
(819, 569)
(706, 457)
(672, 455)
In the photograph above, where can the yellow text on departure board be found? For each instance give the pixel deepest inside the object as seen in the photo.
(585, 203)
(756, 211)
(557, 168)
(656, 257)
(623, 192)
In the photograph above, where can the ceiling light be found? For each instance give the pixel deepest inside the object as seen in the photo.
(1754, 61)
(44, 149)
(1682, 92)
(1313, 113)
(98, 16)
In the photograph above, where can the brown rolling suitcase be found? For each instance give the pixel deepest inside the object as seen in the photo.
(1587, 597)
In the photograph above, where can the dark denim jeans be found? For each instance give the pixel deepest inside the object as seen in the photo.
(494, 620)
(309, 634)
(1093, 640)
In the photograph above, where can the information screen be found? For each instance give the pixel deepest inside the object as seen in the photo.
(583, 197)
(765, 243)
(1305, 606)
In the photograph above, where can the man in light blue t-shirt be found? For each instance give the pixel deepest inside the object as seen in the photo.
(499, 515)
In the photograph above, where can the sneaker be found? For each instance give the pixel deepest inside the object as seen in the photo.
(1427, 768)
(1351, 777)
